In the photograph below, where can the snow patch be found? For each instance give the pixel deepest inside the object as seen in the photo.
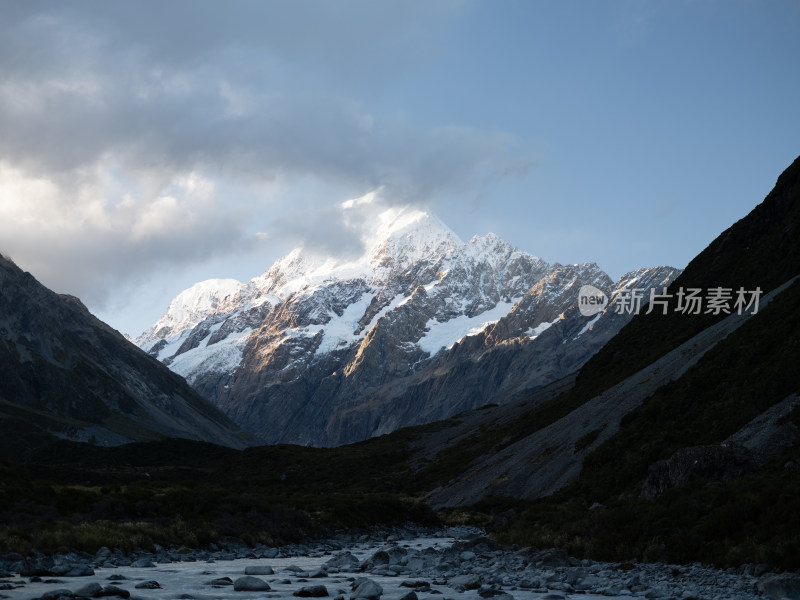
(444, 335)
(535, 332)
(339, 331)
(221, 357)
(588, 325)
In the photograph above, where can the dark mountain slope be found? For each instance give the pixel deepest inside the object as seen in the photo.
(65, 373)
(760, 250)
(726, 479)
(708, 466)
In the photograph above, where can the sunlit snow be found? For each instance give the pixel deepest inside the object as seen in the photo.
(221, 357)
(444, 335)
(535, 332)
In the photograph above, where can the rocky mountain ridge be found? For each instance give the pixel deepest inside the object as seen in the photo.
(65, 374)
(422, 326)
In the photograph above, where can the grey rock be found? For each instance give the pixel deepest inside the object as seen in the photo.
(148, 585)
(575, 575)
(249, 583)
(58, 593)
(294, 569)
(366, 588)
(467, 555)
(409, 596)
(785, 585)
(417, 585)
(259, 570)
(311, 591)
(468, 582)
(103, 553)
(343, 560)
(380, 558)
(79, 571)
(40, 565)
(488, 592)
(220, 582)
(112, 590)
(552, 557)
(143, 563)
(90, 590)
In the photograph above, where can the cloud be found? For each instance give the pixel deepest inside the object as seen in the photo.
(137, 135)
(341, 230)
(88, 245)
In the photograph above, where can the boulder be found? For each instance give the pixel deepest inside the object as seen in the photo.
(311, 591)
(143, 563)
(552, 557)
(364, 587)
(148, 585)
(56, 594)
(90, 590)
(79, 571)
(467, 582)
(785, 585)
(343, 560)
(380, 558)
(249, 583)
(112, 590)
(258, 570)
(37, 565)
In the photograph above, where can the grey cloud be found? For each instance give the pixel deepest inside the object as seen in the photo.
(149, 83)
(92, 260)
(324, 231)
(241, 92)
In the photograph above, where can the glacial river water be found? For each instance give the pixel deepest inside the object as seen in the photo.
(189, 580)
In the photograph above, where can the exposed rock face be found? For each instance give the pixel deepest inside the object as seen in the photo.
(744, 452)
(706, 462)
(770, 433)
(64, 373)
(421, 328)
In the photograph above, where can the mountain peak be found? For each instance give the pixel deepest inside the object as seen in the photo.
(405, 235)
(193, 305)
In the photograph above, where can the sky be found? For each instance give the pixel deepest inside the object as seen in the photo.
(149, 145)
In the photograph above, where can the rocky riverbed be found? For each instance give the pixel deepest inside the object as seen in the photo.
(401, 564)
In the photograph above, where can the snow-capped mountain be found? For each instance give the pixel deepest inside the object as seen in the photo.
(421, 326)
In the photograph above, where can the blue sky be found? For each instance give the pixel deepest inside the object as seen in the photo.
(146, 146)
